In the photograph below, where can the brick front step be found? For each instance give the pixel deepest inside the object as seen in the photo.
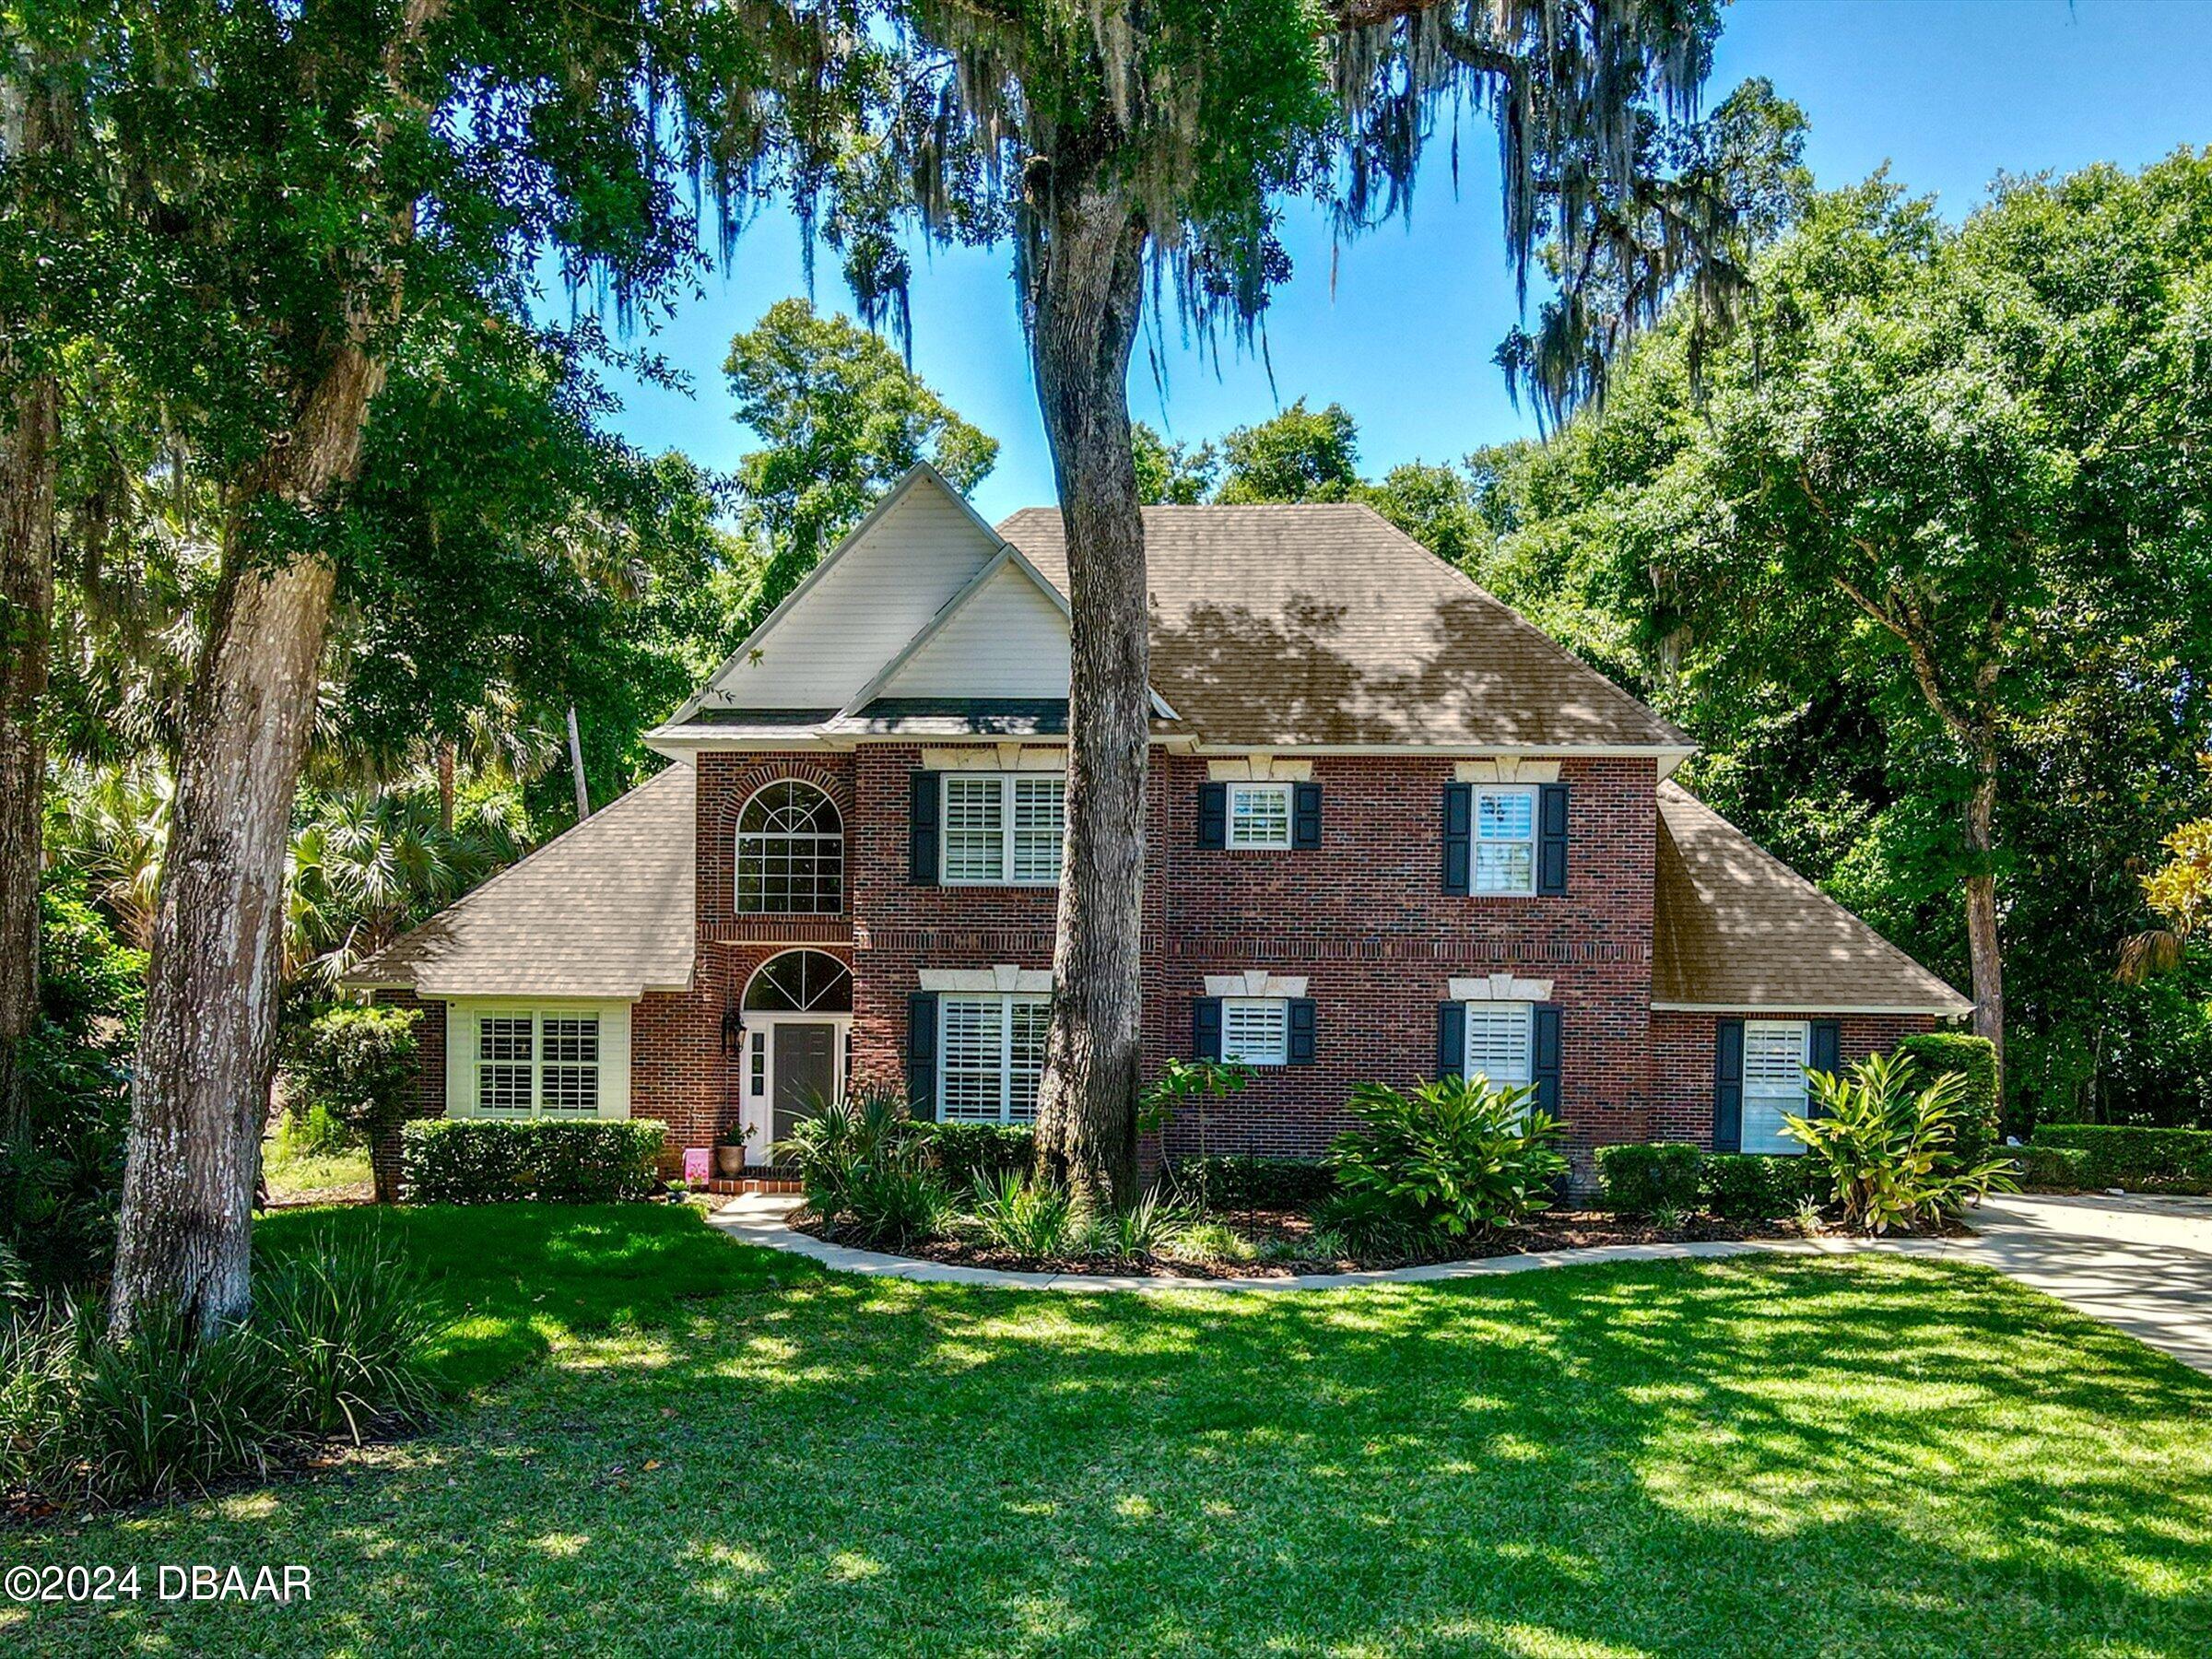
(752, 1183)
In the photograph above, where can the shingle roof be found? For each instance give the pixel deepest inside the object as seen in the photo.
(604, 910)
(1734, 927)
(1324, 624)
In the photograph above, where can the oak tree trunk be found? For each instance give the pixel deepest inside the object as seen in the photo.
(1085, 296)
(26, 461)
(1985, 950)
(208, 1050)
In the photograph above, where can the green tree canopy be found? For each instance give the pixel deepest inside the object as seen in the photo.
(843, 416)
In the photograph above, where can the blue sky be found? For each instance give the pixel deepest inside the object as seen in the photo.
(1949, 92)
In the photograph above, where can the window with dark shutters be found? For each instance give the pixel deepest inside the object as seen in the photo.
(922, 1055)
(1727, 1085)
(1305, 815)
(1206, 1028)
(922, 830)
(1459, 833)
(1551, 837)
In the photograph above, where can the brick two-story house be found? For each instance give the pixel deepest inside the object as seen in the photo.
(1390, 827)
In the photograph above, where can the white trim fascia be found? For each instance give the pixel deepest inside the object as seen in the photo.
(1000, 979)
(1457, 751)
(1256, 981)
(1935, 1010)
(912, 476)
(1498, 988)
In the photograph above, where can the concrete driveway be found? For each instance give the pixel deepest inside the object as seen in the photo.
(2140, 1263)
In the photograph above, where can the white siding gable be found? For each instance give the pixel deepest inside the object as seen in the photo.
(1007, 639)
(870, 597)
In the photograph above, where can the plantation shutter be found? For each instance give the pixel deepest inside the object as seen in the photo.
(922, 1055)
(1727, 1085)
(1305, 815)
(1451, 1039)
(1206, 1028)
(1551, 837)
(1544, 1066)
(1301, 1030)
(1823, 1053)
(1459, 825)
(1213, 815)
(922, 832)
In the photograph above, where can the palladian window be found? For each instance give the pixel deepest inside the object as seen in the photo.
(791, 853)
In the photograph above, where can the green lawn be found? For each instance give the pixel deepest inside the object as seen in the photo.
(1754, 1456)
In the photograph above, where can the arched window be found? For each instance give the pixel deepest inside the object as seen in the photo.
(791, 853)
(800, 981)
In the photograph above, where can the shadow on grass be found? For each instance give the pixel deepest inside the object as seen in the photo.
(1876, 1456)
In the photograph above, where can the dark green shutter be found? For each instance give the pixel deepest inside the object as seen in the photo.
(1544, 1064)
(1551, 837)
(1206, 1028)
(1301, 1030)
(1459, 834)
(1823, 1053)
(1727, 1085)
(1305, 815)
(922, 830)
(921, 1055)
(1213, 815)
(1451, 1039)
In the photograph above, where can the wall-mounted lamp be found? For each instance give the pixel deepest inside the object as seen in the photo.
(732, 1029)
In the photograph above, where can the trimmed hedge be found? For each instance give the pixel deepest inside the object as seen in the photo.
(1637, 1177)
(964, 1151)
(1252, 1183)
(2164, 1160)
(2053, 1168)
(1752, 1186)
(1975, 1060)
(483, 1160)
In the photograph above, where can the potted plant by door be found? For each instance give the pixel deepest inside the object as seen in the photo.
(729, 1154)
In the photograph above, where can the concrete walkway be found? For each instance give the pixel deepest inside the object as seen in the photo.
(2142, 1263)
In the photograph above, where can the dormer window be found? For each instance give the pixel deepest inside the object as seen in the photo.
(791, 853)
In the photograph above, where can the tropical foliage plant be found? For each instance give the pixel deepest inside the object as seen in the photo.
(1457, 1156)
(1889, 1144)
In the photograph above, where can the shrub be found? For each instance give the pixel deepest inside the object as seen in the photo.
(348, 1323)
(847, 1142)
(2171, 1160)
(1755, 1187)
(1639, 1179)
(482, 1160)
(1974, 1060)
(1243, 1183)
(357, 1065)
(166, 1408)
(1212, 1241)
(1890, 1148)
(897, 1202)
(1147, 1227)
(1460, 1155)
(961, 1152)
(316, 1132)
(1027, 1218)
(2055, 1169)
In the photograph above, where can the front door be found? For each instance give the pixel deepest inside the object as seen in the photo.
(805, 1065)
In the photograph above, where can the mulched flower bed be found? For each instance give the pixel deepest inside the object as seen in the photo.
(1571, 1229)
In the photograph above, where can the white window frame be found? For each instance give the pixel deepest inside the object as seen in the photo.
(462, 1039)
(1770, 1098)
(1271, 1045)
(1519, 791)
(1009, 831)
(1525, 1013)
(1005, 1002)
(1247, 844)
(759, 844)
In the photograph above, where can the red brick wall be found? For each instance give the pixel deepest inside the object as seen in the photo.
(428, 1100)
(1682, 1060)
